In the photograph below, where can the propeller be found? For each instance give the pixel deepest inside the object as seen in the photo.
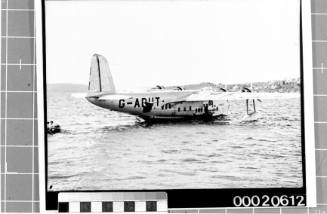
(245, 89)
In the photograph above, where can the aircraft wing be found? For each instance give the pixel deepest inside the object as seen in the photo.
(216, 96)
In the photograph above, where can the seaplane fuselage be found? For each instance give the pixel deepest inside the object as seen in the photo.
(158, 104)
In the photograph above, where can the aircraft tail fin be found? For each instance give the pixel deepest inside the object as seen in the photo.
(100, 76)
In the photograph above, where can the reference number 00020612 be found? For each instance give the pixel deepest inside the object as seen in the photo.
(268, 201)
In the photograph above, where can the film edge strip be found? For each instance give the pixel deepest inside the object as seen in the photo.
(14, 58)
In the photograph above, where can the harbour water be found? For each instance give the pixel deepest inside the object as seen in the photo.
(100, 149)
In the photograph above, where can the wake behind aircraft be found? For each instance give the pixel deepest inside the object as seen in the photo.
(163, 104)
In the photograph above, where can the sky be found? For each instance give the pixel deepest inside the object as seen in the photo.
(165, 42)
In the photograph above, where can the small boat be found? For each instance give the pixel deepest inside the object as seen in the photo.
(53, 128)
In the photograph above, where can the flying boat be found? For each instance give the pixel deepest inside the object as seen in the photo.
(160, 103)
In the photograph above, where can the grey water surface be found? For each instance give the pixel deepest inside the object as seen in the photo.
(100, 149)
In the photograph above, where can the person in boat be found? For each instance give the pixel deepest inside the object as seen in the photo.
(48, 128)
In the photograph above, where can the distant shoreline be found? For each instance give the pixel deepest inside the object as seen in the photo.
(281, 86)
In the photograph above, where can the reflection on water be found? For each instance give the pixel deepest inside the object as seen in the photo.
(105, 150)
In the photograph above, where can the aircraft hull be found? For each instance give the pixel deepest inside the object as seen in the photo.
(161, 107)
